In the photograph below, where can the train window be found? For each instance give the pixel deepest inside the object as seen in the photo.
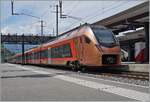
(29, 56)
(103, 35)
(34, 55)
(56, 52)
(38, 55)
(53, 52)
(44, 54)
(19, 58)
(87, 40)
(66, 51)
(61, 51)
(26, 58)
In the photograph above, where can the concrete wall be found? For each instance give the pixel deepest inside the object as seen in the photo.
(137, 67)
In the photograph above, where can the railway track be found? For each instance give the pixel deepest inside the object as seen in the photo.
(136, 78)
(129, 75)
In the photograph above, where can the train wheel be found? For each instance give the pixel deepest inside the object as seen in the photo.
(71, 64)
(83, 69)
(68, 63)
(75, 66)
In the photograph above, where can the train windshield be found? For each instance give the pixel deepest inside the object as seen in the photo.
(104, 35)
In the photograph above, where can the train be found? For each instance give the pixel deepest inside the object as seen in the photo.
(86, 45)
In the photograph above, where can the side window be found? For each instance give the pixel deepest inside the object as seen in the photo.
(87, 40)
(38, 55)
(34, 55)
(27, 56)
(30, 56)
(44, 54)
(52, 52)
(61, 51)
(56, 52)
(66, 50)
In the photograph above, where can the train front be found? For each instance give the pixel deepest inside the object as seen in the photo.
(107, 45)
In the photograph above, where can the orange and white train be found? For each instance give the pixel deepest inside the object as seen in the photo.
(86, 45)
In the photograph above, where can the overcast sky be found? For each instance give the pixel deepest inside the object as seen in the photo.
(86, 11)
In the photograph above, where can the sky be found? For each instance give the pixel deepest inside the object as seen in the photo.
(84, 11)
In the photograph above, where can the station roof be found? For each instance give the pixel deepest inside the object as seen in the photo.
(136, 16)
(132, 35)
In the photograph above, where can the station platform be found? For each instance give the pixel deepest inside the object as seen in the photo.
(32, 83)
(132, 66)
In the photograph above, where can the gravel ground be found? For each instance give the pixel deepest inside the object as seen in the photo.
(120, 79)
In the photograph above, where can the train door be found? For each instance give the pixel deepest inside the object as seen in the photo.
(49, 55)
(80, 49)
(89, 54)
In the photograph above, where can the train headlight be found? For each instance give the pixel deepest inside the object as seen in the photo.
(110, 59)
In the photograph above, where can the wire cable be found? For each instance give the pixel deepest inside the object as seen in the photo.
(103, 12)
(112, 7)
(73, 8)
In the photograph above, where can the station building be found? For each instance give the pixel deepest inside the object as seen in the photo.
(132, 29)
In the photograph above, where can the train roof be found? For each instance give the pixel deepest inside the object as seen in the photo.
(68, 33)
(61, 36)
(86, 24)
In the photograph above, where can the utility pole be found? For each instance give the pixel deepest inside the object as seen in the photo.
(60, 5)
(13, 13)
(12, 7)
(41, 41)
(41, 27)
(56, 20)
(23, 49)
(53, 32)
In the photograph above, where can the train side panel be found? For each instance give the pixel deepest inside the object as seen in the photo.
(87, 53)
(62, 53)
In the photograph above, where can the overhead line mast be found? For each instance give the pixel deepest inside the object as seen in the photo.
(12, 7)
(57, 20)
(41, 22)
